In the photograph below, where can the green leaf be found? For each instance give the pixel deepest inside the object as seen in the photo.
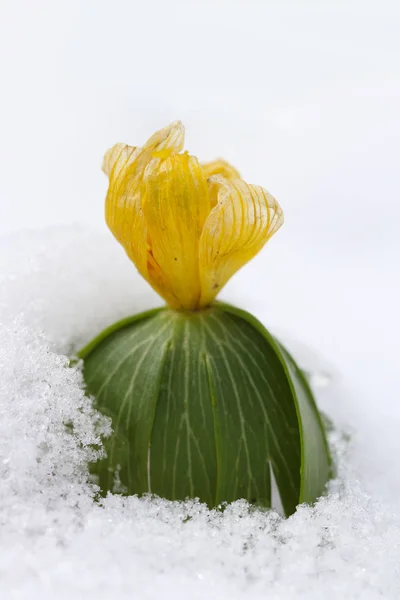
(205, 404)
(316, 464)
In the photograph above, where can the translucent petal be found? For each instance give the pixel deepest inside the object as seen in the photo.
(124, 213)
(116, 158)
(175, 205)
(218, 167)
(125, 167)
(170, 138)
(243, 220)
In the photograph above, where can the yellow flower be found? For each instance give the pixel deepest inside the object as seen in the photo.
(187, 227)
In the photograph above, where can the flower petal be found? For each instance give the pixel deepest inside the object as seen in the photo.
(170, 138)
(218, 167)
(175, 205)
(243, 220)
(125, 166)
(124, 213)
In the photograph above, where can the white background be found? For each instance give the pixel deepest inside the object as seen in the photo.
(303, 97)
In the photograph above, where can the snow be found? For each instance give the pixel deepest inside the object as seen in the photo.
(57, 540)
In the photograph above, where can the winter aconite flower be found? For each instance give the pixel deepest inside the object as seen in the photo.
(187, 227)
(204, 404)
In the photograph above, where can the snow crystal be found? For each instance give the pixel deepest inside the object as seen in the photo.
(58, 288)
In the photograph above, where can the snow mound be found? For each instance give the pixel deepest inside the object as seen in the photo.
(58, 288)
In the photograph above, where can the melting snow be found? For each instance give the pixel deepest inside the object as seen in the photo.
(58, 288)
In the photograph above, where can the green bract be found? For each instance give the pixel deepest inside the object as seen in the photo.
(205, 405)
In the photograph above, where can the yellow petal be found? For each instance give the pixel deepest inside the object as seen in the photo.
(124, 215)
(171, 138)
(117, 158)
(243, 220)
(175, 205)
(218, 167)
(125, 166)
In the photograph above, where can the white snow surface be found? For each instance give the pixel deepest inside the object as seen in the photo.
(59, 287)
